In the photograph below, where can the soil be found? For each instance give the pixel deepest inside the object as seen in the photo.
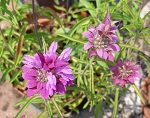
(8, 98)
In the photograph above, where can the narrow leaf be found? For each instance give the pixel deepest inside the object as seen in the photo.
(25, 106)
(138, 93)
(71, 38)
(79, 24)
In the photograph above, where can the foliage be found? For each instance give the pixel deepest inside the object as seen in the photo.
(92, 78)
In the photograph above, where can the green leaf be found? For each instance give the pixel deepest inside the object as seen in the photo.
(80, 10)
(129, 46)
(60, 8)
(98, 3)
(138, 93)
(86, 104)
(79, 24)
(45, 11)
(2, 17)
(129, 10)
(15, 76)
(71, 38)
(121, 16)
(6, 73)
(116, 103)
(102, 63)
(98, 109)
(25, 106)
(89, 5)
(146, 15)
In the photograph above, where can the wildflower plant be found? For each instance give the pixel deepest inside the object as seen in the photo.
(96, 55)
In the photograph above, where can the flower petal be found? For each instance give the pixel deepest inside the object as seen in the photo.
(115, 47)
(65, 55)
(131, 79)
(60, 88)
(87, 45)
(31, 92)
(99, 52)
(107, 18)
(105, 54)
(44, 93)
(92, 52)
(87, 34)
(31, 84)
(52, 48)
(114, 37)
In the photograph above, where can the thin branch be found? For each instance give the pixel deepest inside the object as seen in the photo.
(35, 25)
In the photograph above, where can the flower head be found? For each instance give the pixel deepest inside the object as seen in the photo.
(47, 73)
(125, 71)
(102, 39)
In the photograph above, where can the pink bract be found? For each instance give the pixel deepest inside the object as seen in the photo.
(125, 71)
(47, 73)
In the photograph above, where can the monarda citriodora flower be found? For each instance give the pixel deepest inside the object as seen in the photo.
(102, 39)
(47, 73)
(125, 71)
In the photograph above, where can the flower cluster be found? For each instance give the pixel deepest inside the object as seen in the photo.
(47, 73)
(102, 39)
(125, 71)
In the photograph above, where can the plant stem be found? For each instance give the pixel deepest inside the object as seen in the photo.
(50, 113)
(35, 25)
(53, 100)
(116, 103)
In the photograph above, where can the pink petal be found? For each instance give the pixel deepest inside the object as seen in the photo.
(31, 92)
(114, 22)
(100, 27)
(111, 57)
(87, 45)
(115, 47)
(114, 37)
(65, 55)
(60, 88)
(44, 93)
(99, 52)
(31, 84)
(87, 34)
(52, 48)
(107, 18)
(92, 52)
(131, 79)
(105, 54)
(116, 81)
(122, 82)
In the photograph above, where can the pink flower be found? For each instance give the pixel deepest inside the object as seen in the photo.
(102, 39)
(47, 73)
(125, 71)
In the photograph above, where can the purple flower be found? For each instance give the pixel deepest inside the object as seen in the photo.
(102, 39)
(47, 73)
(125, 71)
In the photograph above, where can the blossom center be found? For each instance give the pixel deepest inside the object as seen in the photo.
(100, 42)
(124, 72)
(42, 75)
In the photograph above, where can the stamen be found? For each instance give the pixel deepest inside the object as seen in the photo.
(42, 75)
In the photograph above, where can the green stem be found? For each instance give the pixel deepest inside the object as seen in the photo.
(50, 113)
(116, 103)
(53, 100)
(35, 25)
